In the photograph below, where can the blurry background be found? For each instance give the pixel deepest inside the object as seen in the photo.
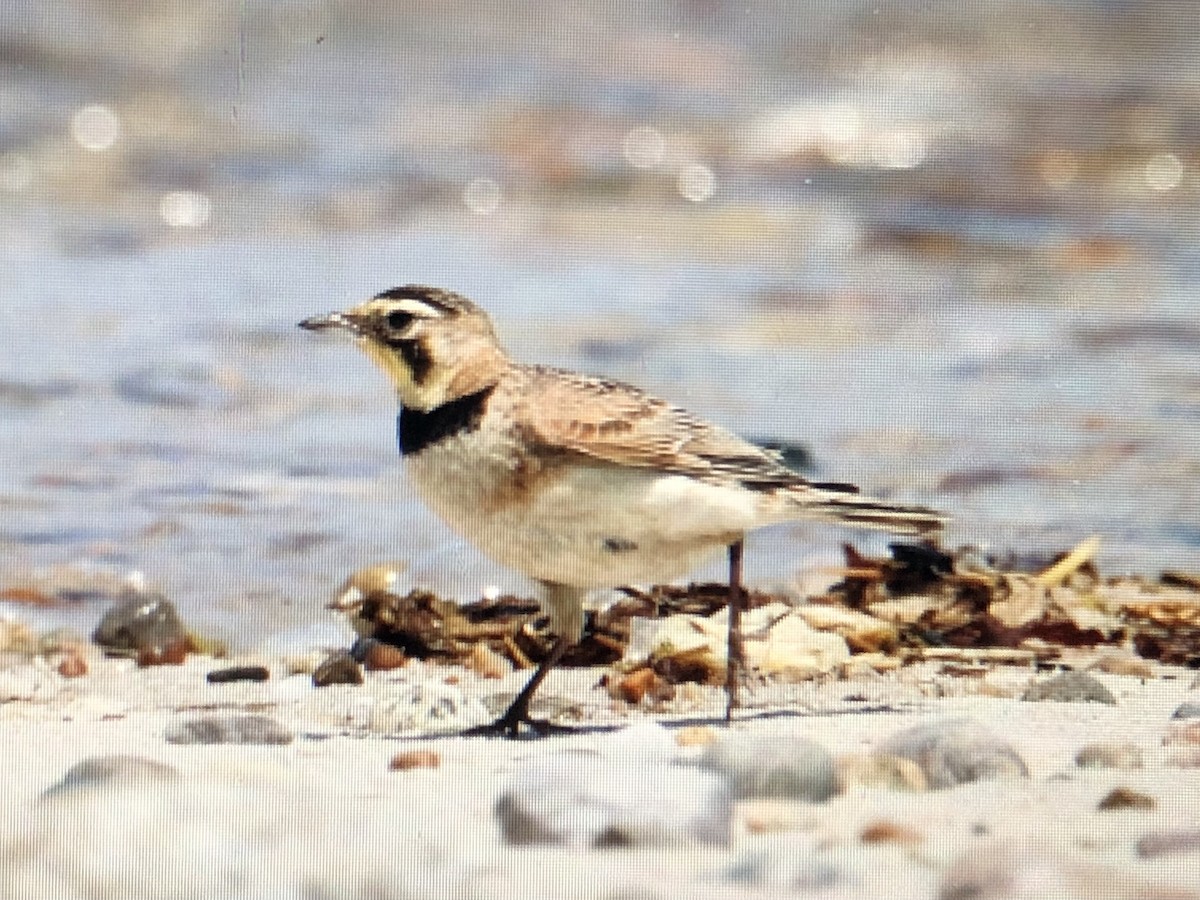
(948, 249)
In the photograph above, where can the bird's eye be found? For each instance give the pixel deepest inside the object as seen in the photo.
(399, 320)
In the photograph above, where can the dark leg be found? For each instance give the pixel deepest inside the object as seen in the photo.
(509, 724)
(735, 650)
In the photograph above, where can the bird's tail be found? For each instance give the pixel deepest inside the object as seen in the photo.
(843, 503)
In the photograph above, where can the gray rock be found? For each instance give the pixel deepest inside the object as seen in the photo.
(1169, 843)
(1069, 687)
(1187, 710)
(140, 622)
(1109, 755)
(119, 768)
(338, 668)
(228, 730)
(956, 751)
(778, 766)
(583, 800)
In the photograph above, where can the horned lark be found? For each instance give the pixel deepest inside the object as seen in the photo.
(576, 481)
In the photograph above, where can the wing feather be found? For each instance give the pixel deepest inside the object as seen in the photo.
(612, 422)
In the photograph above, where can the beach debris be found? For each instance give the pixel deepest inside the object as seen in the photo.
(968, 610)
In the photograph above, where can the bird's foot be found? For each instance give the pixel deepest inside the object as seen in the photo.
(510, 725)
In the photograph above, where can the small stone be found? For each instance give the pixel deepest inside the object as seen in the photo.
(1187, 710)
(487, 663)
(72, 665)
(228, 730)
(101, 771)
(956, 751)
(1069, 687)
(414, 759)
(696, 736)
(338, 667)
(238, 673)
(378, 656)
(885, 831)
(583, 800)
(1126, 798)
(143, 624)
(880, 770)
(172, 654)
(1169, 843)
(778, 766)
(1106, 755)
(1184, 733)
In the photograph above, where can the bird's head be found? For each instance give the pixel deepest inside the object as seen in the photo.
(433, 344)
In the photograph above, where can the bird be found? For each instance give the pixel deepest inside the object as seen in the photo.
(577, 481)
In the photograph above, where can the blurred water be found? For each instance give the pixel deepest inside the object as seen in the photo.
(950, 254)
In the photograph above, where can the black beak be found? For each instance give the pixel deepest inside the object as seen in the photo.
(332, 320)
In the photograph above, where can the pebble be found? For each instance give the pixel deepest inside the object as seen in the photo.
(1069, 687)
(228, 730)
(377, 656)
(100, 771)
(775, 766)
(583, 800)
(885, 831)
(1109, 755)
(143, 625)
(72, 665)
(1126, 798)
(414, 759)
(1169, 842)
(956, 751)
(238, 673)
(1187, 710)
(338, 667)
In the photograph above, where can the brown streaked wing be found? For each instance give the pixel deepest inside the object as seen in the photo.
(619, 424)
